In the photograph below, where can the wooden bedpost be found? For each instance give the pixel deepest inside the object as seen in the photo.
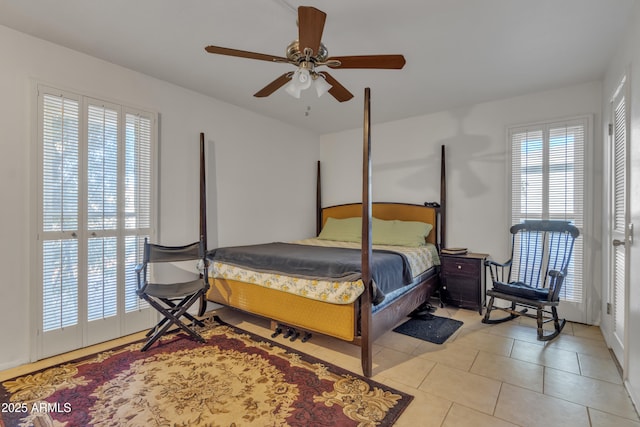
(203, 193)
(365, 309)
(203, 211)
(318, 201)
(443, 200)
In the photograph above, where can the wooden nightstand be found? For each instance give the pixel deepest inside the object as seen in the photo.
(463, 280)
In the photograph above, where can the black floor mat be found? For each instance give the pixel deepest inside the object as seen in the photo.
(431, 328)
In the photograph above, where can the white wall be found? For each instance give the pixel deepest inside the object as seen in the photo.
(628, 59)
(262, 194)
(406, 165)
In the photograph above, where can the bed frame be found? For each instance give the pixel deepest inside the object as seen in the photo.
(360, 322)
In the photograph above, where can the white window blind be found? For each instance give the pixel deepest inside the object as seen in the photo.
(60, 153)
(547, 182)
(96, 206)
(137, 200)
(102, 210)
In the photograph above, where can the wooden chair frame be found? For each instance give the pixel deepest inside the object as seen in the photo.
(534, 277)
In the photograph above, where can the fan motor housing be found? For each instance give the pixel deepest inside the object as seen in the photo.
(295, 55)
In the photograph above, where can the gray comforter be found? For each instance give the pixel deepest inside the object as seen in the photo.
(390, 270)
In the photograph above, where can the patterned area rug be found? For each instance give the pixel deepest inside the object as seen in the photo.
(234, 379)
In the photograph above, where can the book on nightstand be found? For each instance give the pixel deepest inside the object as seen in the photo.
(454, 251)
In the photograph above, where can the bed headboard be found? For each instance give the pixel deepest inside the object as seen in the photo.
(387, 211)
(431, 213)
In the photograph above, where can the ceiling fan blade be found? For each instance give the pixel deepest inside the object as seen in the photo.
(338, 91)
(244, 54)
(390, 62)
(274, 85)
(310, 27)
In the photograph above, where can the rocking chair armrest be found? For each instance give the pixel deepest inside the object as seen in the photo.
(556, 273)
(495, 267)
(492, 263)
(557, 278)
(499, 271)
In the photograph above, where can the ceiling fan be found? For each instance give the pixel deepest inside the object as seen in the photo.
(307, 53)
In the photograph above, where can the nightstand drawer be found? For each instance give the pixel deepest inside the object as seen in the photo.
(460, 267)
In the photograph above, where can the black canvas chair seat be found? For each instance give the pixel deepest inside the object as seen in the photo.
(174, 290)
(533, 277)
(172, 300)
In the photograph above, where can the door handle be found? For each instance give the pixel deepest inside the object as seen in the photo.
(617, 242)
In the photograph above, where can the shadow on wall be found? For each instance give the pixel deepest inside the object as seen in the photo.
(466, 154)
(422, 174)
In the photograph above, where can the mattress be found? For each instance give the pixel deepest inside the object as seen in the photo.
(419, 259)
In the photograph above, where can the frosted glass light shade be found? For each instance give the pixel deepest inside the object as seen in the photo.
(293, 89)
(321, 85)
(302, 78)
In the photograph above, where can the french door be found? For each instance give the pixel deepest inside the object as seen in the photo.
(95, 206)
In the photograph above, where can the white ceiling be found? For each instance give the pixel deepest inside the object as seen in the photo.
(458, 52)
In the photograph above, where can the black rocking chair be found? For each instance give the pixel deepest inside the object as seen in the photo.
(172, 300)
(533, 277)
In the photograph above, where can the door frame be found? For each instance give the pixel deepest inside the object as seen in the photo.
(619, 349)
(83, 333)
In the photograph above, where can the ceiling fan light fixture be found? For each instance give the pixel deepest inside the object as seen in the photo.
(300, 81)
(292, 89)
(321, 85)
(302, 78)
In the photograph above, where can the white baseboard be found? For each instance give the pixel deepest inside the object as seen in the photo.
(13, 364)
(633, 394)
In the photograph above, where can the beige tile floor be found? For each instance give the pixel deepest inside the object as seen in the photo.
(484, 375)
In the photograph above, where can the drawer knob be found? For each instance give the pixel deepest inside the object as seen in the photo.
(459, 267)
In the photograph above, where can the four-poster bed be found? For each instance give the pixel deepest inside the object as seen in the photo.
(357, 317)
